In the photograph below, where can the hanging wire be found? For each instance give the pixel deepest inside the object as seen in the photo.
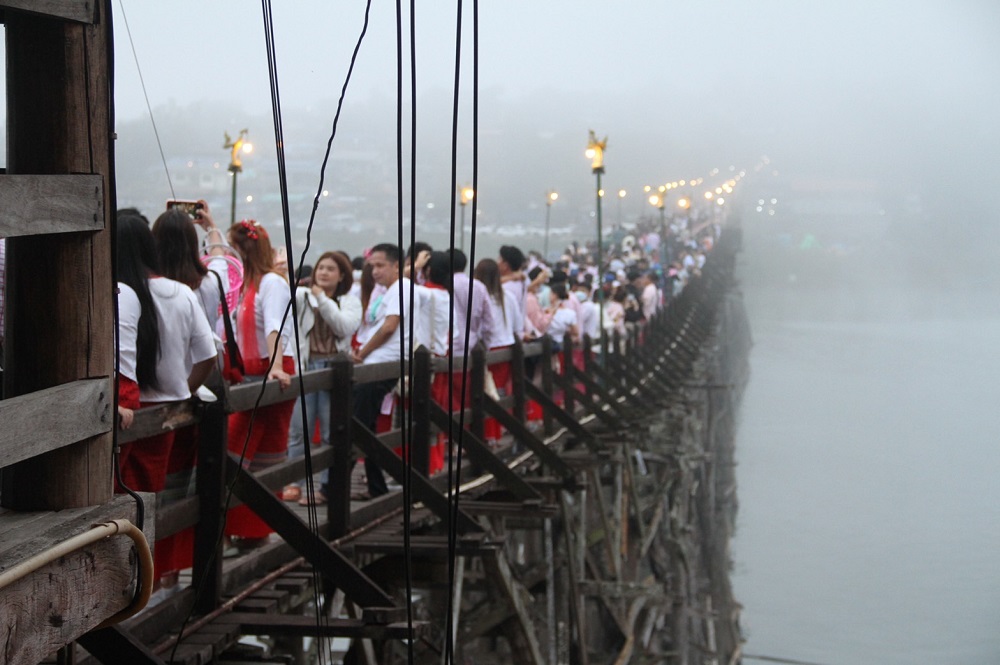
(311, 509)
(279, 139)
(407, 424)
(149, 108)
(140, 506)
(455, 461)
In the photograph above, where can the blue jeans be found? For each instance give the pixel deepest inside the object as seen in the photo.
(317, 408)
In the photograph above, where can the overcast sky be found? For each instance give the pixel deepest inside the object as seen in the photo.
(879, 89)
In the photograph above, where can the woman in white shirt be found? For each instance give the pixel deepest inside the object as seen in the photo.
(499, 336)
(260, 335)
(174, 352)
(328, 317)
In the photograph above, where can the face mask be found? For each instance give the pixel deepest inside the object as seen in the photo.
(580, 295)
(357, 275)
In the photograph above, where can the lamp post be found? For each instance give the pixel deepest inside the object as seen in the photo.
(621, 197)
(595, 151)
(240, 145)
(466, 194)
(660, 201)
(550, 198)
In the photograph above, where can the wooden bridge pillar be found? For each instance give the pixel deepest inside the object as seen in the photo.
(59, 303)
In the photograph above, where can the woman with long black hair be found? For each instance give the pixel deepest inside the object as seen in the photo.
(174, 348)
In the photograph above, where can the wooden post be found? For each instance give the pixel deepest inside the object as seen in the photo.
(59, 301)
(548, 384)
(341, 414)
(567, 374)
(420, 406)
(477, 378)
(517, 374)
(210, 484)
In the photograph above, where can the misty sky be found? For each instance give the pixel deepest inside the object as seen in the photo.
(899, 92)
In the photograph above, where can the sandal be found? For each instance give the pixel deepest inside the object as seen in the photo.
(291, 493)
(317, 499)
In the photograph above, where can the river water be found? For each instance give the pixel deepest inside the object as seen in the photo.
(868, 458)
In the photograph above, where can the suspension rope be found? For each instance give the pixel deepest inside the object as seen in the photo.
(149, 108)
(406, 423)
(455, 466)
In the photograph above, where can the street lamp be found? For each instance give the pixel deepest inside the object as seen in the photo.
(595, 152)
(466, 194)
(660, 201)
(621, 197)
(237, 147)
(550, 198)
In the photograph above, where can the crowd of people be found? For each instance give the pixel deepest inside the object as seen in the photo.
(188, 306)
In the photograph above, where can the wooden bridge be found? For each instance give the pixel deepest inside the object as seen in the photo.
(597, 534)
(564, 552)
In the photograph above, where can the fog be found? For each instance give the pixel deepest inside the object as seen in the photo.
(889, 102)
(871, 288)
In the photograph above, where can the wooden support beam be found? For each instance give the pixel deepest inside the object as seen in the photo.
(42, 204)
(420, 489)
(524, 642)
(481, 455)
(51, 418)
(114, 645)
(566, 420)
(60, 297)
(258, 623)
(576, 602)
(334, 565)
(81, 11)
(520, 432)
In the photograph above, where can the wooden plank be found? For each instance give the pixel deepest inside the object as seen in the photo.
(317, 551)
(37, 204)
(81, 11)
(257, 624)
(524, 641)
(161, 418)
(116, 643)
(70, 596)
(244, 396)
(59, 296)
(484, 457)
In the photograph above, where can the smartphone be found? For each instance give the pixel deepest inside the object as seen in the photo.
(190, 207)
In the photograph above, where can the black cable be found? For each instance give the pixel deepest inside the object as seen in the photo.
(149, 108)
(455, 461)
(112, 195)
(404, 352)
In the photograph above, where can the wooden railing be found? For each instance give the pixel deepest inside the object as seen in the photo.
(648, 362)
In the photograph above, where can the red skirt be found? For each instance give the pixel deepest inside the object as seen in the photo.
(263, 446)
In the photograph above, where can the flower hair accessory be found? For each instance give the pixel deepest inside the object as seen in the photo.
(252, 228)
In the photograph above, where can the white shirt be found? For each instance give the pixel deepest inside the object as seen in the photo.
(384, 306)
(208, 292)
(185, 339)
(432, 312)
(561, 322)
(515, 291)
(501, 333)
(272, 301)
(589, 320)
(128, 330)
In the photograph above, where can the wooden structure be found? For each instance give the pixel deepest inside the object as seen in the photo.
(571, 543)
(57, 195)
(589, 535)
